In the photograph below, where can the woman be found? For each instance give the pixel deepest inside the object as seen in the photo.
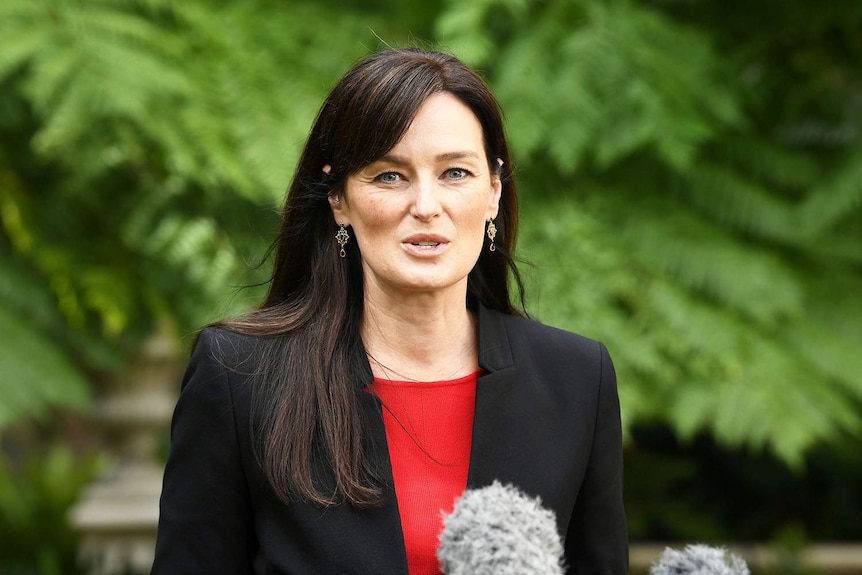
(387, 369)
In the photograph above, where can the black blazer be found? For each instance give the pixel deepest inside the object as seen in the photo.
(547, 420)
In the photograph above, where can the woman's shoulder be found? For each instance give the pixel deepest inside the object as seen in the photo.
(225, 340)
(225, 349)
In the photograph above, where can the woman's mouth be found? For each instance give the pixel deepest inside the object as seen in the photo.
(425, 245)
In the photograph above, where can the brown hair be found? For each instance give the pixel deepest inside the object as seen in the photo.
(305, 406)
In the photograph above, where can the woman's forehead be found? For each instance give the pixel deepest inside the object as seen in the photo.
(443, 125)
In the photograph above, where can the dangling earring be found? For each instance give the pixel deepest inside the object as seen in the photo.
(341, 236)
(492, 233)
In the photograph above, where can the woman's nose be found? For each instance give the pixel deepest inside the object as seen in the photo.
(426, 199)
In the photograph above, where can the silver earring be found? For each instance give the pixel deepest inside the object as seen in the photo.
(492, 233)
(341, 236)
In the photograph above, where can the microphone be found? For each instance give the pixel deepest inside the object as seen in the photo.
(498, 530)
(699, 560)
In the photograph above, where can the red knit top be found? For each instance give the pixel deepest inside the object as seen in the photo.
(429, 430)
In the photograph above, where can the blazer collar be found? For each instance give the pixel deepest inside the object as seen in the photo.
(495, 353)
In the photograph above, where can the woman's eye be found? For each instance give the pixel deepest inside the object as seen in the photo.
(388, 177)
(457, 173)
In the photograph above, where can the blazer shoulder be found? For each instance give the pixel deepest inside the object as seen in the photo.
(222, 357)
(535, 334)
(227, 349)
(506, 340)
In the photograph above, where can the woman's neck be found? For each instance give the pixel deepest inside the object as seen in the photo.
(420, 338)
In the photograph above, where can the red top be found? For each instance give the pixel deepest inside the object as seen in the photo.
(429, 429)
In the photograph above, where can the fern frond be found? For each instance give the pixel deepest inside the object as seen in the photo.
(740, 203)
(705, 258)
(19, 46)
(623, 80)
(767, 161)
(34, 373)
(836, 198)
(830, 336)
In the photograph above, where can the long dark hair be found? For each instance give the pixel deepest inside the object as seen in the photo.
(305, 406)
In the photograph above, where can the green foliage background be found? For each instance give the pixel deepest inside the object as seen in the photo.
(690, 172)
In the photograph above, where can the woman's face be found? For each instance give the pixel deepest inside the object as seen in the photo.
(419, 212)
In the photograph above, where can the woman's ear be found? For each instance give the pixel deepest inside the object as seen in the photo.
(496, 191)
(339, 209)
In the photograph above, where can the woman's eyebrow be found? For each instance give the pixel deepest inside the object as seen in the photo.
(459, 156)
(392, 159)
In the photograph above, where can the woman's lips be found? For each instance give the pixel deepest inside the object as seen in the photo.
(425, 245)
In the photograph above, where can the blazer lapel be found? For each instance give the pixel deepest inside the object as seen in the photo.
(496, 409)
(386, 519)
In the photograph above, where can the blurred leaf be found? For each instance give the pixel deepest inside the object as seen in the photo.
(35, 497)
(35, 373)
